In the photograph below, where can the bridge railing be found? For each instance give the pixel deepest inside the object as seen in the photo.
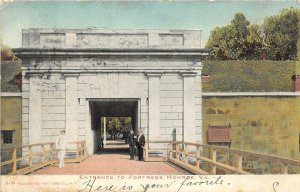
(210, 159)
(156, 150)
(77, 152)
(27, 158)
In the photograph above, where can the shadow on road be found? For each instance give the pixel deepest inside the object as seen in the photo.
(113, 151)
(114, 147)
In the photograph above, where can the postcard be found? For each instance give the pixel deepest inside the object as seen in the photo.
(143, 96)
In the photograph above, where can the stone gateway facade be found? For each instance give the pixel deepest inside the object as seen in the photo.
(72, 78)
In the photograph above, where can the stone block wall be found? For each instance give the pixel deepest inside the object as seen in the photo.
(198, 108)
(171, 106)
(51, 106)
(269, 125)
(25, 109)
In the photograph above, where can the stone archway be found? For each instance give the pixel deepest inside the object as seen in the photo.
(100, 108)
(64, 69)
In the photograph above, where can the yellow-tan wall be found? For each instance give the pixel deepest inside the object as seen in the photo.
(268, 125)
(11, 118)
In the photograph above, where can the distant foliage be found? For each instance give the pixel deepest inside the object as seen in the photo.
(6, 53)
(239, 40)
(247, 76)
(118, 125)
(281, 35)
(9, 72)
(254, 46)
(276, 39)
(237, 32)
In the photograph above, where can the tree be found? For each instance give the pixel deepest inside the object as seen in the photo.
(6, 53)
(216, 43)
(237, 32)
(254, 42)
(278, 38)
(118, 125)
(229, 42)
(282, 34)
(113, 125)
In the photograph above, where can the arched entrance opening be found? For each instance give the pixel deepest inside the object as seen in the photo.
(111, 119)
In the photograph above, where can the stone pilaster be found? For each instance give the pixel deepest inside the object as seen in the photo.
(189, 130)
(71, 107)
(35, 110)
(154, 106)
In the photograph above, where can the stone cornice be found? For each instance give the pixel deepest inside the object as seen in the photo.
(188, 74)
(150, 71)
(154, 74)
(77, 52)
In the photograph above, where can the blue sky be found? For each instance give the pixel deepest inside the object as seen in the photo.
(204, 15)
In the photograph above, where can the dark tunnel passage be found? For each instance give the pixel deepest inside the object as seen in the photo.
(104, 110)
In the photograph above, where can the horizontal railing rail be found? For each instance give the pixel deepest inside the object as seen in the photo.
(27, 158)
(209, 159)
(148, 149)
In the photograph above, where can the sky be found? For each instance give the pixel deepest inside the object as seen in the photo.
(204, 15)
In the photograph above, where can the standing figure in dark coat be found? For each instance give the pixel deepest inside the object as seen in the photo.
(140, 145)
(131, 139)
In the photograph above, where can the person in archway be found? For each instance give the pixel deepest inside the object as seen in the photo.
(61, 146)
(140, 145)
(131, 138)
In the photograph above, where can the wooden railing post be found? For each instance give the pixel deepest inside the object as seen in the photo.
(81, 149)
(77, 150)
(171, 150)
(177, 150)
(186, 154)
(238, 162)
(198, 157)
(30, 156)
(146, 151)
(283, 168)
(213, 170)
(43, 153)
(14, 159)
(51, 152)
(85, 149)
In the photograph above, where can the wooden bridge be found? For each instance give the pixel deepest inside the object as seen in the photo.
(210, 159)
(163, 155)
(28, 158)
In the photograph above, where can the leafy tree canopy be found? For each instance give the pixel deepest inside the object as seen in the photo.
(230, 42)
(281, 34)
(118, 125)
(6, 52)
(276, 39)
